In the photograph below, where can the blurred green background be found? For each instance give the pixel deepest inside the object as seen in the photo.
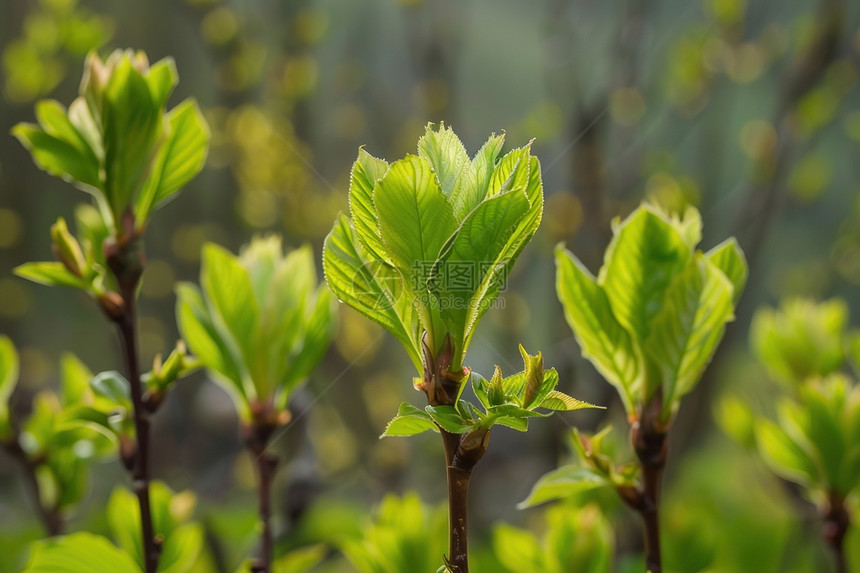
(749, 110)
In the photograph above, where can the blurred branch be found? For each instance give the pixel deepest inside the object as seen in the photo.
(762, 203)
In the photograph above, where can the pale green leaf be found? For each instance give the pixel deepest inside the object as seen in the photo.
(408, 422)
(181, 549)
(642, 259)
(51, 274)
(132, 126)
(8, 380)
(562, 483)
(369, 287)
(415, 219)
(205, 341)
(233, 307)
(75, 379)
(448, 418)
(79, 553)
(180, 158)
(602, 339)
(729, 258)
(783, 455)
(59, 157)
(517, 549)
(161, 79)
(447, 157)
(366, 171)
(561, 402)
(687, 330)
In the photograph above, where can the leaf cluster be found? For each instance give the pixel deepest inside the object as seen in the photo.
(430, 238)
(653, 317)
(259, 322)
(116, 140)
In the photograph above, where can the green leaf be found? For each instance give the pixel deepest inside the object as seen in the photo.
(58, 156)
(181, 549)
(79, 553)
(687, 331)
(415, 220)
(783, 455)
(369, 287)
(642, 259)
(517, 549)
(474, 251)
(205, 341)
(729, 258)
(447, 157)
(318, 331)
(8, 380)
(602, 339)
(561, 402)
(484, 164)
(54, 120)
(562, 483)
(408, 422)
(802, 340)
(366, 171)
(233, 306)
(512, 172)
(75, 379)
(132, 126)
(113, 386)
(449, 419)
(300, 560)
(161, 79)
(180, 158)
(51, 274)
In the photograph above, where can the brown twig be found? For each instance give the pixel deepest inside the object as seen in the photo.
(836, 524)
(125, 260)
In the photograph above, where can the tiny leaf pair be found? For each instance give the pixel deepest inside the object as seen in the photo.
(507, 401)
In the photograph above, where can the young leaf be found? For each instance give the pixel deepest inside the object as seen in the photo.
(728, 257)
(415, 220)
(369, 287)
(561, 402)
(366, 171)
(79, 553)
(132, 125)
(75, 379)
(180, 158)
(784, 456)
(687, 330)
(602, 339)
(448, 418)
(447, 157)
(8, 380)
(562, 483)
(643, 257)
(408, 422)
(59, 157)
(51, 274)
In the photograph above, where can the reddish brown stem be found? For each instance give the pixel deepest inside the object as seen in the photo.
(266, 466)
(126, 323)
(836, 524)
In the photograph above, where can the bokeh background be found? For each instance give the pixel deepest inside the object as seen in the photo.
(748, 109)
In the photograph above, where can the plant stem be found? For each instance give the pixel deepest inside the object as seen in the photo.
(836, 524)
(649, 439)
(650, 512)
(458, 506)
(126, 324)
(266, 466)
